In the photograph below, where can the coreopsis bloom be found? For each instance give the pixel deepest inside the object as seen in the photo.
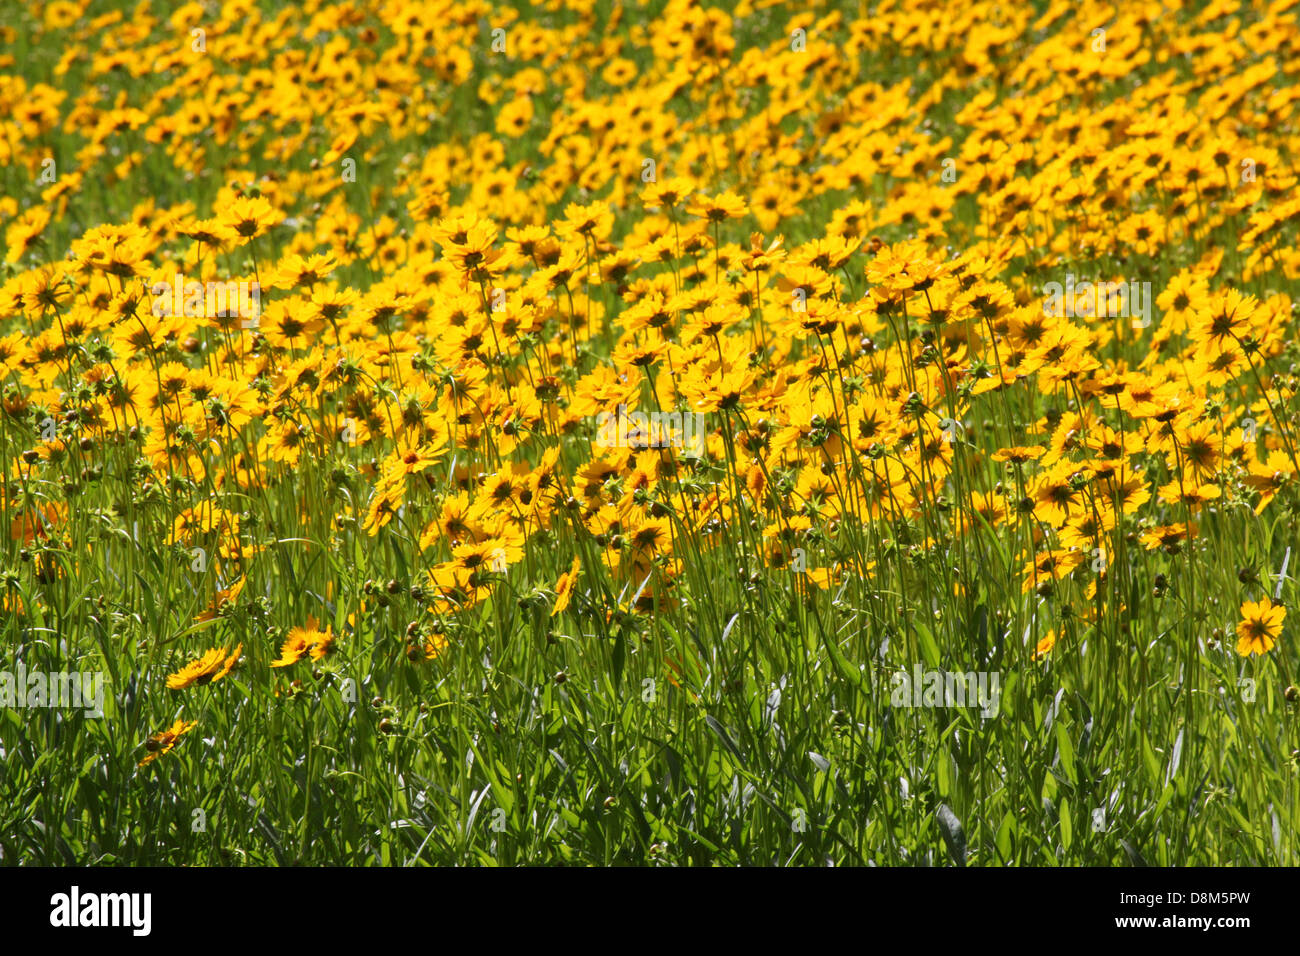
(564, 587)
(1260, 626)
(1183, 297)
(903, 268)
(307, 639)
(1269, 477)
(472, 568)
(650, 537)
(1168, 537)
(469, 244)
(718, 391)
(667, 194)
(410, 457)
(385, 502)
(1050, 566)
(1225, 318)
(285, 442)
(249, 217)
(206, 232)
(434, 645)
(292, 650)
(1188, 491)
(199, 671)
(772, 203)
(199, 520)
(715, 209)
(25, 232)
(37, 524)
(290, 322)
(1019, 454)
(1058, 492)
(455, 523)
(163, 741)
(593, 221)
(324, 646)
(119, 251)
(1217, 365)
(513, 118)
(230, 663)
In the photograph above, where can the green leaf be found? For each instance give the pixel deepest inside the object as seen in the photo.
(929, 649)
(722, 735)
(1066, 749)
(711, 847)
(1150, 761)
(1134, 857)
(1006, 830)
(953, 835)
(1163, 802)
(620, 654)
(846, 669)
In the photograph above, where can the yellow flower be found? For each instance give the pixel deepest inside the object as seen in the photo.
(304, 640)
(726, 205)
(514, 117)
(230, 663)
(564, 587)
(197, 672)
(434, 645)
(668, 193)
(221, 599)
(324, 646)
(249, 217)
(294, 647)
(1260, 627)
(25, 231)
(160, 743)
(211, 667)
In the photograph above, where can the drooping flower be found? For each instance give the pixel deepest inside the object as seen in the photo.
(564, 587)
(163, 741)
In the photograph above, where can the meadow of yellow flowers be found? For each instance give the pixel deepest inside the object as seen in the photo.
(468, 432)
